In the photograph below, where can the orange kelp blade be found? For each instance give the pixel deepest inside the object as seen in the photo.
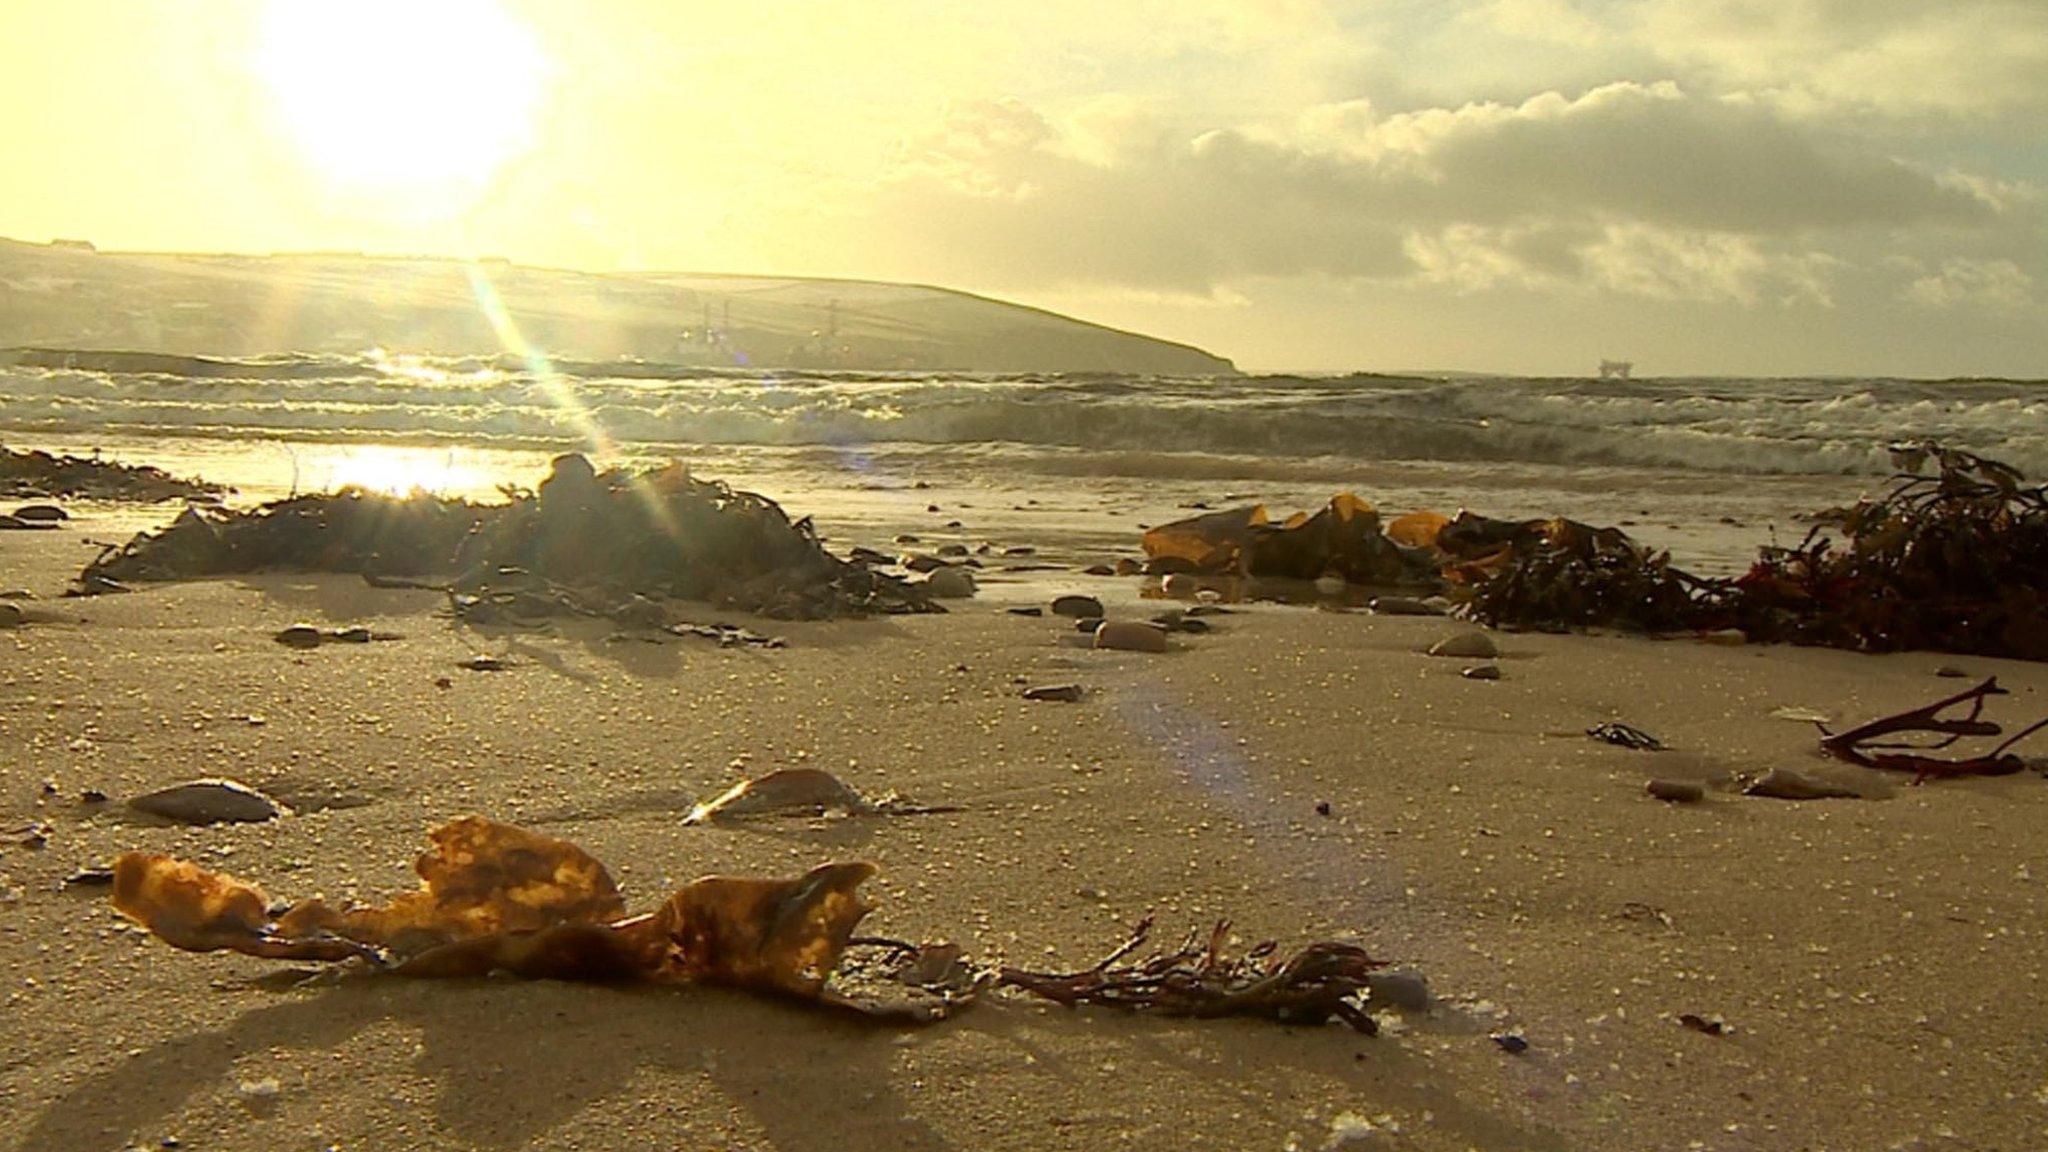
(481, 878)
(1210, 543)
(188, 907)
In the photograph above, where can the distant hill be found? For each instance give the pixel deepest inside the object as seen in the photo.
(68, 295)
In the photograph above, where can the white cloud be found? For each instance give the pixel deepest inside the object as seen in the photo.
(1965, 282)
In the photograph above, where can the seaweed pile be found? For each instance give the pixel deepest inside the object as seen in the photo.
(34, 474)
(598, 543)
(496, 898)
(1954, 560)
(1950, 559)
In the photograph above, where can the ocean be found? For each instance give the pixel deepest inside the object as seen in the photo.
(1070, 464)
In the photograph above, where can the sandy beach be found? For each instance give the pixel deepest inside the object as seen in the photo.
(1874, 960)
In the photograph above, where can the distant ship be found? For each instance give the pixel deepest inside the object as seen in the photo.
(1616, 369)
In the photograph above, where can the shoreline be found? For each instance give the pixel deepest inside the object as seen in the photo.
(1862, 951)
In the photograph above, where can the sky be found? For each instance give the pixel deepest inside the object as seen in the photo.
(1737, 187)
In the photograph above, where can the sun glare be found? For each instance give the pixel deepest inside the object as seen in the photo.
(422, 99)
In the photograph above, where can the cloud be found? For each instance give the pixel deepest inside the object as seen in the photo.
(1965, 282)
(1897, 57)
(1631, 189)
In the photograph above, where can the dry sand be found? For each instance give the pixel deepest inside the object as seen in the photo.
(1879, 961)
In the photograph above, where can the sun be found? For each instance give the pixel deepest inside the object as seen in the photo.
(422, 99)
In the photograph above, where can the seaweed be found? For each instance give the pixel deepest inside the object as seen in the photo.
(496, 898)
(587, 543)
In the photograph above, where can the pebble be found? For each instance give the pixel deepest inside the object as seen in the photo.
(1510, 1043)
(1030, 610)
(1788, 784)
(10, 523)
(1466, 645)
(1400, 988)
(1125, 566)
(952, 549)
(1077, 607)
(1482, 672)
(950, 583)
(300, 636)
(1950, 672)
(10, 615)
(1179, 584)
(1403, 606)
(907, 538)
(41, 513)
(1098, 570)
(1065, 693)
(1130, 636)
(1677, 791)
(1088, 624)
(210, 801)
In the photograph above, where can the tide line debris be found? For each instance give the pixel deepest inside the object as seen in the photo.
(495, 898)
(601, 544)
(1952, 557)
(44, 474)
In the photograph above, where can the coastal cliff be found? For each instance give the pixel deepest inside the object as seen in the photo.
(67, 295)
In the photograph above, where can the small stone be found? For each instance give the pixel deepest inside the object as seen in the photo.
(1709, 1025)
(1402, 606)
(1021, 550)
(1950, 672)
(1510, 1043)
(1031, 610)
(301, 636)
(1466, 646)
(1088, 624)
(1129, 636)
(1098, 570)
(907, 538)
(41, 513)
(1179, 584)
(11, 615)
(1677, 791)
(1399, 988)
(950, 584)
(209, 801)
(1482, 672)
(954, 550)
(485, 664)
(90, 878)
(1077, 607)
(921, 562)
(1322, 807)
(1065, 693)
(355, 635)
(1789, 784)
(1125, 566)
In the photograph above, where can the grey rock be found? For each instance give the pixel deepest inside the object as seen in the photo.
(1129, 636)
(41, 513)
(1400, 988)
(209, 801)
(1677, 791)
(1403, 606)
(950, 583)
(1076, 606)
(1466, 646)
(1065, 693)
(300, 636)
(1482, 672)
(1789, 784)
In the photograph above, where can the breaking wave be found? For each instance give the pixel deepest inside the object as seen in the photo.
(1778, 426)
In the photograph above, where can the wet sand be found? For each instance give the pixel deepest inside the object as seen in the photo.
(1879, 961)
